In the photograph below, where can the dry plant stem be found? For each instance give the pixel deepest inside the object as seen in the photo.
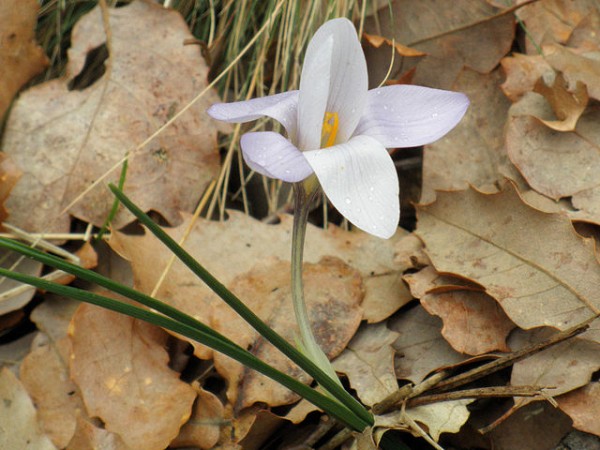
(512, 358)
(308, 344)
(487, 392)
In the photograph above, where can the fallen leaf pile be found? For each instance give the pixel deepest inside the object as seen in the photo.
(503, 258)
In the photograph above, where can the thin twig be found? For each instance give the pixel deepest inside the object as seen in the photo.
(512, 358)
(486, 392)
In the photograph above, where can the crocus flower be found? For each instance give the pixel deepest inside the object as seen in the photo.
(339, 130)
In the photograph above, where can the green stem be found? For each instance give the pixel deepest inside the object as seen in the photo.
(308, 344)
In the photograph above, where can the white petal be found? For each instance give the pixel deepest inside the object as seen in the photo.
(360, 179)
(314, 90)
(347, 80)
(409, 116)
(281, 107)
(271, 154)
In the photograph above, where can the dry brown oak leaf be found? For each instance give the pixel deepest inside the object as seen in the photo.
(533, 263)
(463, 33)
(64, 138)
(20, 56)
(121, 368)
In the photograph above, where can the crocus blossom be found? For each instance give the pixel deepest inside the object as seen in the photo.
(339, 130)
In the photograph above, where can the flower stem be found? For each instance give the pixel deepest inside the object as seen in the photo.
(304, 195)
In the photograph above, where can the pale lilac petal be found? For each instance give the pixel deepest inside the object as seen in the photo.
(409, 116)
(343, 87)
(271, 154)
(314, 91)
(281, 107)
(360, 179)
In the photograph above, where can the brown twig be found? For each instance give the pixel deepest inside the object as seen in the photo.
(439, 384)
(486, 392)
(512, 358)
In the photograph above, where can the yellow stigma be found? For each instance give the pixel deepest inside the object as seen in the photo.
(330, 129)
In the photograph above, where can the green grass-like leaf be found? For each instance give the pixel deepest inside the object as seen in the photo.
(231, 299)
(190, 328)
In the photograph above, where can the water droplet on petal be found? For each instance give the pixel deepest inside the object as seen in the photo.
(348, 201)
(434, 115)
(287, 171)
(372, 188)
(373, 227)
(358, 210)
(385, 107)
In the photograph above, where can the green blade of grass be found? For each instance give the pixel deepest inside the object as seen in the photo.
(261, 327)
(209, 338)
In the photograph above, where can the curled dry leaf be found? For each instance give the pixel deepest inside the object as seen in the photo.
(472, 153)
(474, 323)
(567, 106)
(333, 293)
(583, 406)
(384, 289)
(428, 280)
(20, 56)
(553, 20)
(121, 368)
(368, 361)
(454, 35)
(20, 428)
(420, 334)
(64, 135)
(402, 50)
(522, 73)
(204, 427)
(576, 67)
(533, 263)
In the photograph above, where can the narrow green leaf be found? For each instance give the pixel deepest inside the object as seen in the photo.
(209, 338)
(273, 337)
